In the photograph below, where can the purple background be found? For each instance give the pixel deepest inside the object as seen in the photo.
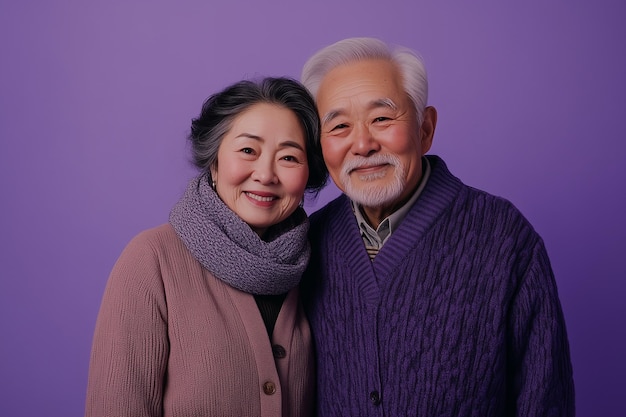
(95, 103)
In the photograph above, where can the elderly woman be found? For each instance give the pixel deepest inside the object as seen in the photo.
(201, 316)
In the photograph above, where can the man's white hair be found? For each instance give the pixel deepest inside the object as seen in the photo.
(409, 64)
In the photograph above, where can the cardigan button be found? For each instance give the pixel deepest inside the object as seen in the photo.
(269, 388)
(279, 351)
(375, 397)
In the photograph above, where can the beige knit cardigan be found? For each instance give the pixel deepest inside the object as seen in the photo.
(173, 340)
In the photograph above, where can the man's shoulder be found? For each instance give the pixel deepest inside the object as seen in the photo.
(443, 175)
(492, 202)
(329, 211)
(496, 215)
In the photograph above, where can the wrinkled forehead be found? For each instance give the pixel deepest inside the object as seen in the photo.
(366, 84)
(368, 106)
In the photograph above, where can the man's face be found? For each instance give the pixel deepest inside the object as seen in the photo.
(371, 140)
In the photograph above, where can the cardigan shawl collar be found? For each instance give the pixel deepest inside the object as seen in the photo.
(440, 190)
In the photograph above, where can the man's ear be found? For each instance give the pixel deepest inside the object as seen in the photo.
(427, 130)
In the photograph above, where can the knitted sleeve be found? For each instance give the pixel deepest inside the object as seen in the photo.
(130, 346)
(542, 372)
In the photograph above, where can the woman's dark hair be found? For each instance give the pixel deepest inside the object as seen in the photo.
(220, 110)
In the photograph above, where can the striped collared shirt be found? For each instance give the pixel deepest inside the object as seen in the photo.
(375, 239)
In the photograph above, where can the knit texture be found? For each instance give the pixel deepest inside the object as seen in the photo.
(225, 245)
(173, 340)
(457, 315)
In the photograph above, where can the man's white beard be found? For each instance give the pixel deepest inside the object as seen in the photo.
(374, 195)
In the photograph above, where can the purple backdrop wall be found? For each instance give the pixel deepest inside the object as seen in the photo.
(95, 103)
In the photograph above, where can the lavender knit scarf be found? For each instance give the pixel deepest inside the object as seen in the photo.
(225, 245)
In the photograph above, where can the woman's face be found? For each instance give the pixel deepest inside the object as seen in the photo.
(262, 170)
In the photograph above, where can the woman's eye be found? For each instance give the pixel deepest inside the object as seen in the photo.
(381, 119)
(249, 151)
(290, 158)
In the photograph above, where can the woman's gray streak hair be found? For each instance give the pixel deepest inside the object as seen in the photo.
(221, 109)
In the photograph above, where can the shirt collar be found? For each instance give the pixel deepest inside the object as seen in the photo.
(376, 238)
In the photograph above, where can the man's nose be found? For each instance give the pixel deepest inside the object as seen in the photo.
(364, 143)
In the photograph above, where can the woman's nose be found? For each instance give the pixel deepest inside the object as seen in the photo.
(264, 172)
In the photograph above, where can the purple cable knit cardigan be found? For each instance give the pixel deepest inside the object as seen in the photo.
(458, 315)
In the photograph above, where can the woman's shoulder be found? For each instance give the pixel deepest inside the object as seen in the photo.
(162, 232)
(155, 240)
(152, 251)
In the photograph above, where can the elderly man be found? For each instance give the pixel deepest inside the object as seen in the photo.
(426, 297)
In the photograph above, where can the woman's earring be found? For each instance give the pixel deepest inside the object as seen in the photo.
(213, 185)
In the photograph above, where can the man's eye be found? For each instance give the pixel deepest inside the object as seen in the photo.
(381, 119)
(339, 126)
